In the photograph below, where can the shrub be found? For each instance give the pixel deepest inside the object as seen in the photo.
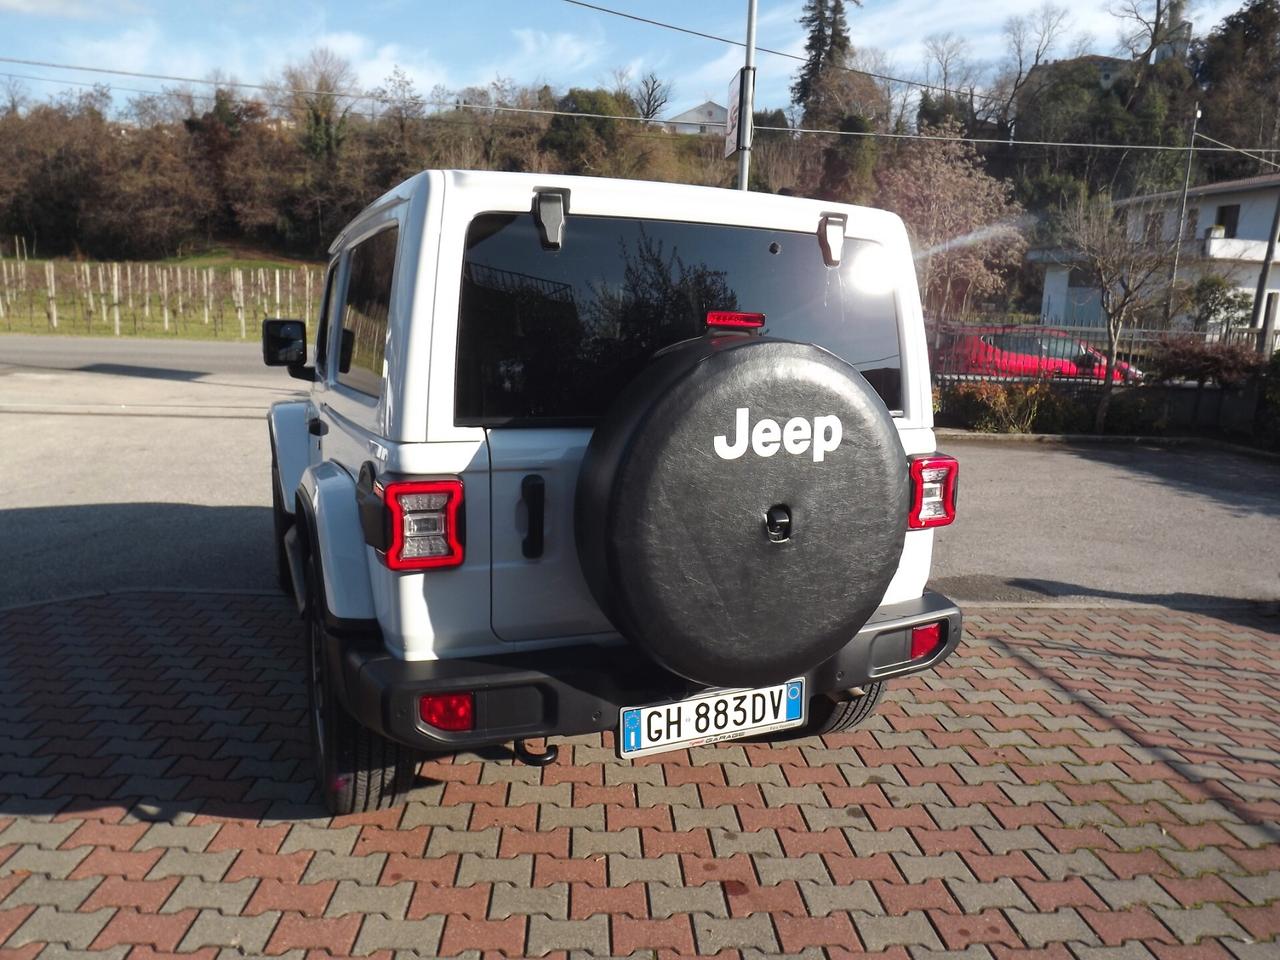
(1269, 404)
(1193, 358)
(992, 407)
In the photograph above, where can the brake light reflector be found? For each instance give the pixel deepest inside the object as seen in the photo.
(926, 640)
(423, 517)
(454, 712)
(734, 319)
(933, 491)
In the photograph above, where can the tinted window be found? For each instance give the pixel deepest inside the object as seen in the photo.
(322, 328)
(365, 310)
(554, 335)
(1062, 348)
(1017, 343)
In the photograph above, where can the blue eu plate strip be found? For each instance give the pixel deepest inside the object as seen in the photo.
(631, 730)
(795, 700)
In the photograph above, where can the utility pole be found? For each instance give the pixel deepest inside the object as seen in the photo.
(1182, 218)
(1257, 320)
(746, 104)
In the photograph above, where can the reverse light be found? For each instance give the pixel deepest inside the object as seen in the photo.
(453, 712)
(424, 526)
(933, 491)
(734, 319)
(926, 640)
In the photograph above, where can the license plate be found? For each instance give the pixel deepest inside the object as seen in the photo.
(710, 718)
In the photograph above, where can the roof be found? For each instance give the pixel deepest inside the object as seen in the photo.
(1243, 185)
(1092, 59)
(694, 114)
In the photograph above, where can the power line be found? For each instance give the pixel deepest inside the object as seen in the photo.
(543, 111)
(779, 53)
(1252, 156)
(373, 97)
(1223, 148)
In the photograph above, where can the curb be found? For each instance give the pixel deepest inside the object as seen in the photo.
(1205, 443)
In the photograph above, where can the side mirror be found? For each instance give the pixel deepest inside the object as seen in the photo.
(284, 344)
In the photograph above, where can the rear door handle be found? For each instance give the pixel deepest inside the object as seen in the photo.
(316, 427)
(533, 490)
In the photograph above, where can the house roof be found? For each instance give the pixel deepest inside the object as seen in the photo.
(1242, 185)
(695, 113)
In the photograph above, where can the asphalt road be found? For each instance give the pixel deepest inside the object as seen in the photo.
(133, 464)
(143, 464)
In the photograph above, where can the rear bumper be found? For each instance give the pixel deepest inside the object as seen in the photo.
(573, 690)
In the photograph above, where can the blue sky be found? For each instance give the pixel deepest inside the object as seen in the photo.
(465, 42)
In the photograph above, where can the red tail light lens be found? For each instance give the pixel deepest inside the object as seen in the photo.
(453, 712)
(933, 491)
(926, 640)
(735, 319)
(423, 515)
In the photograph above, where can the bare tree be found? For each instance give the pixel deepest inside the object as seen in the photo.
(947, 64)
(399, 101)
(1143, 25)
(1127, 263)
(13, 96)
(1031, 41)
(895, 97)
(319, 93)
(651, 94)
(963, 222)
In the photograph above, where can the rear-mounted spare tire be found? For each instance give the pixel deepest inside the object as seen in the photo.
(742, 548)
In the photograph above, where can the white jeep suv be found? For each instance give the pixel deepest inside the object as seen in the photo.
(599, 455)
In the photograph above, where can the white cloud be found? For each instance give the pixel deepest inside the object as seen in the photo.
(144, 48)
(569, 52)
(69, 9)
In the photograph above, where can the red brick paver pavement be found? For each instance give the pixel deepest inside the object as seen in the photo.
(1079, 783)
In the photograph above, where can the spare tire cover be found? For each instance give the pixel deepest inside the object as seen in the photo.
(675, 494)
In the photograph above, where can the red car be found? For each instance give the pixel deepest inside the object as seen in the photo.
(1022, 352)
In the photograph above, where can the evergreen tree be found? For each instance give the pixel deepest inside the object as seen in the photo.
(838, 45)
(816, 21)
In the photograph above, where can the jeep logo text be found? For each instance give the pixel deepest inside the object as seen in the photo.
(796, 436)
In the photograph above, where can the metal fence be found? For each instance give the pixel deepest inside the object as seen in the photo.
(1068, 355)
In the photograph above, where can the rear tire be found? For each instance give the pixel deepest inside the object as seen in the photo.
(357, 770)
(834, 715)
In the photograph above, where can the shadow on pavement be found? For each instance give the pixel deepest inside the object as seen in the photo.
(76, 549)
(1246, 486)
(147, 373)
(1260, 615)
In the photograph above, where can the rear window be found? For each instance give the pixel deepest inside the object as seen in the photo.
(554, 335)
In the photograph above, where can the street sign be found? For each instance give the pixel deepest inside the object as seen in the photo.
(737, 132)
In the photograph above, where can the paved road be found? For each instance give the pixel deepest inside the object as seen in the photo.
(1091, 784)
(144, 463)
(1182, 527)
(133, 464)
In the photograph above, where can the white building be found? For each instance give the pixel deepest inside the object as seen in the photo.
(1225, 233)
(707, 117)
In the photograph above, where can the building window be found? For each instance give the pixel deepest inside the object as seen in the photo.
(1192, 224)
(1228, 219)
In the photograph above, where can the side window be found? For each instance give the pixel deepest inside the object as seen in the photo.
(365, 310)
(1229, 219)
(322, 327)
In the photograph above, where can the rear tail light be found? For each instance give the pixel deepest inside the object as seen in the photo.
(424, 526)
(453, 712)
(926, 640)
(734, 319)
(933, 491)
